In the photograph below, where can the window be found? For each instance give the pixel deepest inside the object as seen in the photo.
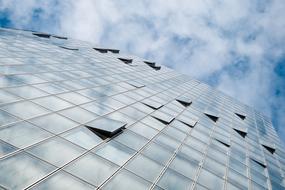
(268, 146)
(23, 134)
(6, 118)
(241, 116)
(126, 61)
(126, 180)
(241, 131)
(152, 65)
(56, 151)
(135, 84)
(157, 153)
(42, 35)
(152, 103)
(92, 169)
(184, 101)
(104, 50)
(191, 122)
(53, 123)
(69, 48)
(213, 116)
(163, 117)
(115, 152)
(145, 167)
(6, 148)
(172, 180)
(60, 37)
(83, 137)
(63, 180)
(22, 170)
(105, 127)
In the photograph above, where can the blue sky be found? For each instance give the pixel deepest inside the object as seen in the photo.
(234, 45)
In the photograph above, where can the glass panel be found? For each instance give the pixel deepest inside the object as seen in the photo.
(172, 180)
(79, 115)
(6, 148)
(184, 166)
(62, 180)
(131, 140)
(115, 152)
(23, 134)
(54, 123)
(210, 180)
(190, 153)
(152, 122)
(52, 103)
(105, 126)
(83, 137)
(168, 142)
(97, 108)
(25, 110)
(174, 133)
(6, 97)
(144, 130)
(27, 92)
(56, 151)
(92, 169)
(124, 180)
(162, 116)
(21, 170)
(214, 167)
(145, 167)
(74, 98)
(6, 118)
(157, 153)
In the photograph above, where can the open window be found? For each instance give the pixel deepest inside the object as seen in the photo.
(135, 84)
(105, 127)
(162, 117)
(152, 104)
(105, 50)
(126, 61)
(189, 121)
(212, 115)
(184, 101)
(152, 65)
(241, 131)
(241, 116)
(60, 37)
(42, 35)
(268, 146)
(69, 48)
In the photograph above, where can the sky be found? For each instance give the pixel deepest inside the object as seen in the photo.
(236, 46)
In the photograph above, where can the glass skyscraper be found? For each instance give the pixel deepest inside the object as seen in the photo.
(78, 116)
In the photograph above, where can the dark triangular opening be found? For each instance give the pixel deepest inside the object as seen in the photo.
(74, 49)
(114, 50)
(187, 123)
(261, 164)
(270, 149)
(103, 134)
(101, 50)
(152, 65)
(60, 37)
(162, 121)
(213, 118)
(241, 116)
(105, 127)
(227, 145)
(185, 104)
(42, 35)
(126, 61)
(241, 133)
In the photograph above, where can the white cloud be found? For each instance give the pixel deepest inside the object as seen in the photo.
(197, 37)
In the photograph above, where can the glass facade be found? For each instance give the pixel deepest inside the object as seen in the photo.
(77, 116)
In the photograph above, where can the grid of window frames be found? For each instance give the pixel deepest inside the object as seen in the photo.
(75, 117)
